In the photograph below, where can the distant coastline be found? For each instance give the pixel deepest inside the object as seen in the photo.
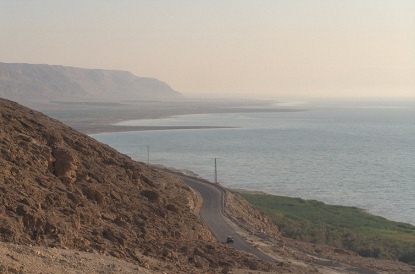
(119, 126)
(104, 117)
(312, 154)
(101, 129)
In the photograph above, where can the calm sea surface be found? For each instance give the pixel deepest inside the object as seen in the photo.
(358, 155)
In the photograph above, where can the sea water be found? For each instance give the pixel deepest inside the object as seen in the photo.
(348, 154)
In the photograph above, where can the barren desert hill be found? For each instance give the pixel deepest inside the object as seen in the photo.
(40, 82)
(60, 188)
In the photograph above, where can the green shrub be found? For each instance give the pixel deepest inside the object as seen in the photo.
(339, 226)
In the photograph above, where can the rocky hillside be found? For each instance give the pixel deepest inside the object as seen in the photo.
(27, 82)
(60, 188)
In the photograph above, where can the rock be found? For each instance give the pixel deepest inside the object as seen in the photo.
(66, 163)
(152, 196)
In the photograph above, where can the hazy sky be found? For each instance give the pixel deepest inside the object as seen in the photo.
(256, 48)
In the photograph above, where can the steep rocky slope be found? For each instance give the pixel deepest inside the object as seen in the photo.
(60, 188)
(32, 82)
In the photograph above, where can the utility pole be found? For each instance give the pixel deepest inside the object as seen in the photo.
(148, 155)
(216, 172)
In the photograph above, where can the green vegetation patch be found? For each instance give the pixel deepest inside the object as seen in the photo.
(339, 226)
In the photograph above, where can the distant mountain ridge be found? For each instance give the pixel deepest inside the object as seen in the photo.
(39, 82)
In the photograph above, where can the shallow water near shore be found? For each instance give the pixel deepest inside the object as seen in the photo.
(349, 154)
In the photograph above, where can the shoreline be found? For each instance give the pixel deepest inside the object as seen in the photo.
(363, 210)
(103, 118)
(191, 173)
(106, 129)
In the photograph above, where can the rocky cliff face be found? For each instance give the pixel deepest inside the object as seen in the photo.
(60, 188)
(27, 82)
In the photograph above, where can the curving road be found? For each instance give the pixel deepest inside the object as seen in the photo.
(212, 214)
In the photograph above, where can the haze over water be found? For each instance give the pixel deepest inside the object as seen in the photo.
(350, 154)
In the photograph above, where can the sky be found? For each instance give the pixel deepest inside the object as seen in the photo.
(255, 49)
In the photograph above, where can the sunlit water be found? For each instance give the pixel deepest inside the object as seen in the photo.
(361, 156)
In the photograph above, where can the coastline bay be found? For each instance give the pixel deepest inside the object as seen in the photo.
(322, 154)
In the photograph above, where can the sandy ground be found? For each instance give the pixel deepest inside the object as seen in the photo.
(26, 259)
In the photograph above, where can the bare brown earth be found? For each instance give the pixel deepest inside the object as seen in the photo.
(60, 188)
(36, 259)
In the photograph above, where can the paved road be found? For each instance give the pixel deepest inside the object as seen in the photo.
(212, 214)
